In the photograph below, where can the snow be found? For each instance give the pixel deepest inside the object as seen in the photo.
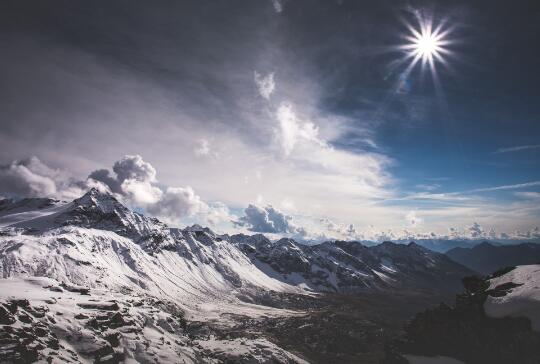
(206, 285)
(522, 301)
(388, 265)
(415, 359)
(257, 350)
(27, 213)
(97, 243)
(152, 336)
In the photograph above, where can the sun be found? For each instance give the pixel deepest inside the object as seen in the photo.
(427, 46)
(427, 43)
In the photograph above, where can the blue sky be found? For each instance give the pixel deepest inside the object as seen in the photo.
(298, 105)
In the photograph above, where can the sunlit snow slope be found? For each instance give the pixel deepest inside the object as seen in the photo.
(523, 300)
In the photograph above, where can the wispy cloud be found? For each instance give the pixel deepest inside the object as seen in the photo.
(528, 195)
(507, 187)
(516, 148)
(278, 6)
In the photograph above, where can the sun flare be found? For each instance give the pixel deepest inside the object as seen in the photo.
(426, 43)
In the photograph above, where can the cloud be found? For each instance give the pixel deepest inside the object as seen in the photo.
(266, 220)
(135, 182)
(133, 167)
(516, 148)
(428, 187)
(32, 178)
(336, 230)
(177, 202)
(142, 193)
(265, 84)
(507, 187)
(476, 231)
(27, 177)
(202, 148)
(278, 6)
(134, 179)
(412, 219)
(528, 195)
(104, 176)
(292, 130)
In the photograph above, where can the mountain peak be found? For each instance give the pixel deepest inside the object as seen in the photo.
(104, 201)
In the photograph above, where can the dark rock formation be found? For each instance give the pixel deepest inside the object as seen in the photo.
(466, 333)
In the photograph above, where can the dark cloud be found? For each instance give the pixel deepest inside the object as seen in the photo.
(27, 177)
(32, 178)
(266, 220)
(105, 176)
(134, 167)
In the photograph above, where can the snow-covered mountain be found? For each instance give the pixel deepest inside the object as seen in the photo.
(53, 234)
(350, 267)
(55, 253)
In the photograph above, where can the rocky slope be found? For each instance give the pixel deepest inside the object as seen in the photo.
(496, 320)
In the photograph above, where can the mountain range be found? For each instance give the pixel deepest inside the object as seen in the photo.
(93, 280)
(486, 258)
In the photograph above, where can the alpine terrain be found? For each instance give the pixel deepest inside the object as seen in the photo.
(91, 280)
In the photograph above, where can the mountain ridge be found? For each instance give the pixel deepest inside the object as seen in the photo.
(105, 265)
(486, 257)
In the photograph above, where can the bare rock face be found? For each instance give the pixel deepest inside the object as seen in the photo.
(350, 267)
(465, 332)
(24, 337)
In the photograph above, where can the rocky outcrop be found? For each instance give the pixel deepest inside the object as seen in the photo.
(465, 332)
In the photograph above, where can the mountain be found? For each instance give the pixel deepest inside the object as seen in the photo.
(486, 258)
(92, 280)
(350, 267)
(496, 320)
(444, 245)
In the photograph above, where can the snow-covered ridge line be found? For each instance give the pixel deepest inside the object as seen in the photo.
(80, 240)
(522, 299)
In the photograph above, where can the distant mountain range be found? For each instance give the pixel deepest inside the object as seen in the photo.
(130, 286)
(486, 258)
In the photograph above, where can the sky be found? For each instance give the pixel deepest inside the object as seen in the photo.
(296, 118)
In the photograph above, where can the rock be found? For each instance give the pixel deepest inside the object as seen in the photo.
(105, 306)
(72, 288)
(117, 320)
(466, 333)
(24, 317)
(6, 317)
(41, 331)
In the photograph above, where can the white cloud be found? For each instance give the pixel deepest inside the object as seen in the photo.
(428, 187)
(265, 84)
(177, 202)
(412, 219)
(507, 187)
(292, 130)
(267, 220)
(516, 148)
(202, 148)
(141, 193)
(528, 195)
(135, 182)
